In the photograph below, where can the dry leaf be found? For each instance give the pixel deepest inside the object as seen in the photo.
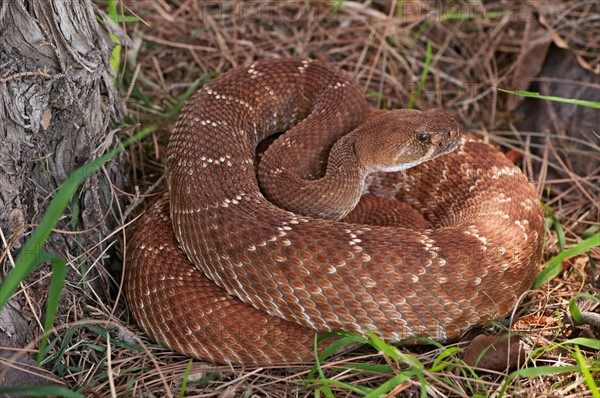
(562, 43)
(496, 353)
(46, 118)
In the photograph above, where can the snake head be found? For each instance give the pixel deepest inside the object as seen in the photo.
(400, 139)
(439, 134)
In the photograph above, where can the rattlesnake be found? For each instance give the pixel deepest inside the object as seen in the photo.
(278, 275)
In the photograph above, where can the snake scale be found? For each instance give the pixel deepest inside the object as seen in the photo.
(218, 272)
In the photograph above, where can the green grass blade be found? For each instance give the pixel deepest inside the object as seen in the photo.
(395, 353)
(530, 94)
(59, 274)
(535, 372)
(336, 6)
(30, 251)
(319, 369)
(186, 374)
(560, 232)
(360, 390)
(345, 339)
(590, 231)
(451, 353)
(62, 351)
(383, 347)
(592, 344)
(399, 9)
(576, 313)
(417, 92)
(585, 371)
(115, 15)
(339, 344)
(388, 385)
(554, 265)
(115, 59)
(368, 368)
(462, 15)
(31, 254)
(423, 384)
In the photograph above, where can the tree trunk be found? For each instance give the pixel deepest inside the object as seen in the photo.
(57, 99)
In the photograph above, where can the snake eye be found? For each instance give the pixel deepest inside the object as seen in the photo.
(423, 137)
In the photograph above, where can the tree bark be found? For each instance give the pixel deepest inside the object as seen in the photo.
(57, 100)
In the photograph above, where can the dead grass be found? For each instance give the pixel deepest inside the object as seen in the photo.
(474, 52)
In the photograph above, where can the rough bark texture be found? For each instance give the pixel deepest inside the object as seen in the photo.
(57, 99)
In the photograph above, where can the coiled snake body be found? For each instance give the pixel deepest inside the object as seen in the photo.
(277, 275)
